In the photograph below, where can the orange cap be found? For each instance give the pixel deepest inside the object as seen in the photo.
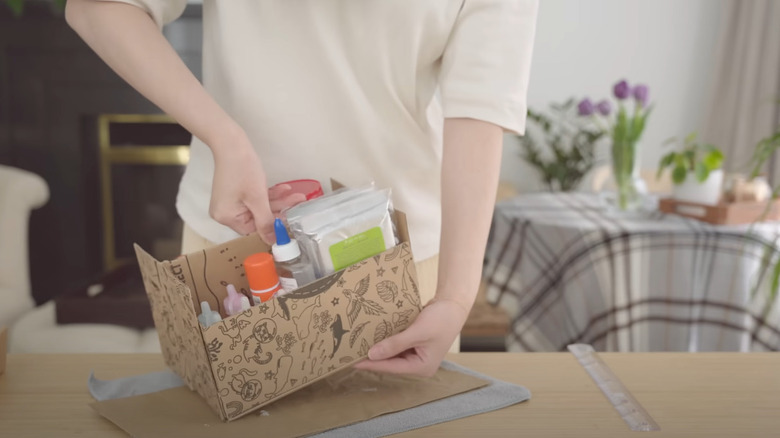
(261, 274)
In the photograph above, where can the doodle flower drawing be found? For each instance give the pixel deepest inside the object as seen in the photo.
(286, 343)
(322, 321)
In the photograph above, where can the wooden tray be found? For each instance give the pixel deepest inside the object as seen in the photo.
(723, 213)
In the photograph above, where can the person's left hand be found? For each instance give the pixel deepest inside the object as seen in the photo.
(421, 347)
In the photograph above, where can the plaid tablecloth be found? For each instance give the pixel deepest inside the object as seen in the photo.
(567, 269)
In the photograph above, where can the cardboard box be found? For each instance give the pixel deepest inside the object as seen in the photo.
(273, 349)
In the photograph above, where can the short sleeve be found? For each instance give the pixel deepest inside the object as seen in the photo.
(486, 64)
(161, 11)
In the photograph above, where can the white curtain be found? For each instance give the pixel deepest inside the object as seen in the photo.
(746, 88)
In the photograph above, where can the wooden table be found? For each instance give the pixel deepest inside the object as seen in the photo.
(700, 394)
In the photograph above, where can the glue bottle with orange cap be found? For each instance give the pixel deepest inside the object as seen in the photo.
(261, 274)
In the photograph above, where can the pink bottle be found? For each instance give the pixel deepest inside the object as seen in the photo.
(235, 303)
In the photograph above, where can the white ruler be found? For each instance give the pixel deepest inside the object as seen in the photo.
(627, 406)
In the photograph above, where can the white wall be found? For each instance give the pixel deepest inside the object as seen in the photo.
(584, 46)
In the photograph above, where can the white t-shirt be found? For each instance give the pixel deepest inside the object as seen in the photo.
(356, 90)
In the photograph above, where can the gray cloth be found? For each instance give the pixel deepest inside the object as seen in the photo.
(134, 385)
(496, 395)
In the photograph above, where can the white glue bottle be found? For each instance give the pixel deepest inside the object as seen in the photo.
(294, 268)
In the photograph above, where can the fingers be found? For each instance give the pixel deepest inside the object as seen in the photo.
(410, 364)
(263, 220)
(418, 349)
(278, 191)
(278, 205)
(281, 198)
(238, 218)
(248, 214)
(394, 345)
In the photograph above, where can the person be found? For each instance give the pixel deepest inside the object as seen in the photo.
(413, 95)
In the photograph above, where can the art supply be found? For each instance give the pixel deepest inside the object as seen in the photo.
(293, 267)
(261, 274)
(340, 230)
(235, 302)
(627, 406)
(334, 198)
(208, 316)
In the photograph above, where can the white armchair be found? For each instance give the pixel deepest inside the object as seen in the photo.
(20, 193)
(35, 329)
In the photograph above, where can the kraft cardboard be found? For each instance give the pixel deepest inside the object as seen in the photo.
(341, 399)
(275, 348)
(3, 348)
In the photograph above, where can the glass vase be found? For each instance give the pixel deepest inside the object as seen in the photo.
(629, 186)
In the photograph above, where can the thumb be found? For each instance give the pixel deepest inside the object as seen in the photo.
(394, 345)
(265, 227)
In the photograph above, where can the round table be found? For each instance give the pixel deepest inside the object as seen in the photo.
(569, 269)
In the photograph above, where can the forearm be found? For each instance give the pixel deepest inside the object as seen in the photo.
(470, 171)
(128, 40)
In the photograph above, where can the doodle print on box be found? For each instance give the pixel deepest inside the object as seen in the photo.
(207, 272)
(270, 350)
(178, 328)
(329, 341)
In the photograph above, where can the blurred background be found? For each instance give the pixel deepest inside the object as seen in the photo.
(111, 162)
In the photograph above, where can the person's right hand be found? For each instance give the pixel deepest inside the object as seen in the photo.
(239, 193)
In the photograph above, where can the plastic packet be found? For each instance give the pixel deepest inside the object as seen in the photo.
(344, 229)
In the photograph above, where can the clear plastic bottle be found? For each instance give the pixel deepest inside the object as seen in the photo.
(294, 268)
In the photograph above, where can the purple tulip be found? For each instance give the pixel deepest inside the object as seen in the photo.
(622, 90)
(585, 108)
(640, 94)
(604, 107)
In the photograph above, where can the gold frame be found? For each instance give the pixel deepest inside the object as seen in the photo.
(162, 155)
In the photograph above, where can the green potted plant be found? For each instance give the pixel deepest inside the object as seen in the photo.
(696, 171)
(569, 143)
(764, 150)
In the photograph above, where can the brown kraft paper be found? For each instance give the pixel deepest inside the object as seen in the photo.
(344, 398)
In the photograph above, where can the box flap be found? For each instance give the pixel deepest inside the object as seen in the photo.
(207, 272)
(401, 228)
(178, 328)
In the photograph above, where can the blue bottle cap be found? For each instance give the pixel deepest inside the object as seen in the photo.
(282, 238)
